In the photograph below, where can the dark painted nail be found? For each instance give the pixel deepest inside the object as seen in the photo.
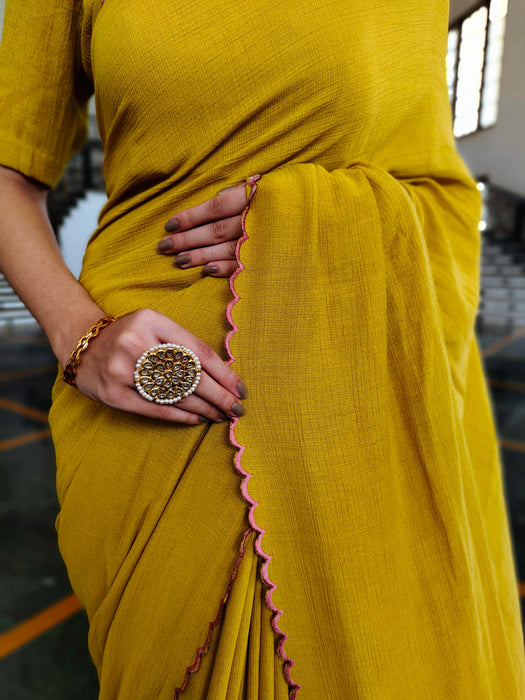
(238, 409)
(231, 187)
(210, 269)
(164, 245)
(225, 189)
(182, 259)
(171, 225)
(202, 419)
(243, 391)
(222, 417)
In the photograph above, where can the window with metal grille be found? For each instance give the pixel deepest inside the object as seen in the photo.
(475, 51)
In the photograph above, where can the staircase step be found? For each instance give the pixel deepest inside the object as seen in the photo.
(11, 314)
(495, 293)
(8, 323)
(514, 270)
(12, 309)
(13, 303)
(491, 248)
(490, 270)
(502, 293)
(509, 293)
(495, 321)
(501, 281)
(499, 259)
(489, 281)
(492, 305)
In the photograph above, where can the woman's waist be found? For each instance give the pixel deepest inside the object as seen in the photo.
(187, 297)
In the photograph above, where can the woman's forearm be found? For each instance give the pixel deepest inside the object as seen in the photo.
(31, 261)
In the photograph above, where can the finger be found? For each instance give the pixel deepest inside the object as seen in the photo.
(202, 256)
(196, 404)
(189, 410)
(210, 234)
(131, 401)
(230, 203)
(220, 268)
(218, 396)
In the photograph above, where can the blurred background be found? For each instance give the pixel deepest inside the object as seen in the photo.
(43, 631)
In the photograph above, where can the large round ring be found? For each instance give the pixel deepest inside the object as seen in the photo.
(167, 373)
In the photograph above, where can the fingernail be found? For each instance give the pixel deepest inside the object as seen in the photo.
(243, 391)
(225, 189)
(171, 225)
(210, 269)
(222, 417)
(182, 259)
(202, 419)
(238, 409)
(164, 245)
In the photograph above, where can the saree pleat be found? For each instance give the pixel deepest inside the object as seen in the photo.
(231, 652)
(240, 662)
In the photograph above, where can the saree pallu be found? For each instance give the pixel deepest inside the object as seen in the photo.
(347, 537)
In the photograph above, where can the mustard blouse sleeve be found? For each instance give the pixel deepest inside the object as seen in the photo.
(43, 89)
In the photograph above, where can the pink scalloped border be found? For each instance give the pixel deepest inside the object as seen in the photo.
(204, 648)
(266, 558)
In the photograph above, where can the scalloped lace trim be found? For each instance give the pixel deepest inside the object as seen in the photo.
(266, 558)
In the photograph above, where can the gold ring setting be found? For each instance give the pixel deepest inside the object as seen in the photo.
(167, 373)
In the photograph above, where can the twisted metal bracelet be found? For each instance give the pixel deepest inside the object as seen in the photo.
(70, 372)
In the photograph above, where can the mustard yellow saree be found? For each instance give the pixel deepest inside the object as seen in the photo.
(346, 538)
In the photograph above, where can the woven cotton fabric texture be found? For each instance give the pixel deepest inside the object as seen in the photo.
(346, 538)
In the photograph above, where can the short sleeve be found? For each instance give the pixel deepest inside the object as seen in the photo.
(43, 88)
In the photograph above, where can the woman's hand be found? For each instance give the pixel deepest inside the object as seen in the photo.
(107, 366)
(207, 233)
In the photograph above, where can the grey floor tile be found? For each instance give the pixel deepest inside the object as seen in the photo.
(32, 574)
(15, 425)
(506, 369)
(509, 408)
(517, 346)
(16, 356)
(34, 391)
(487, 339)
(55, 666)
(514, 477)
(27, 478)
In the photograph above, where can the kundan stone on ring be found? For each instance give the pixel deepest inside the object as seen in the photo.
(167, 373)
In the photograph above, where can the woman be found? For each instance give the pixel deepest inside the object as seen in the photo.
(347, 536)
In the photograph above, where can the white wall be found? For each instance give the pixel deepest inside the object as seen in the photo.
(2, 10)
(77, 229)
(499, 151)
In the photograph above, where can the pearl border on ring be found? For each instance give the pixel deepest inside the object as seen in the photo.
(151, 351)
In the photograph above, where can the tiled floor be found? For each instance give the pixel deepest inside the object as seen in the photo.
(54, 663)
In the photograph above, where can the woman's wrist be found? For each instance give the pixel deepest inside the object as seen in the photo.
(64, 335)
